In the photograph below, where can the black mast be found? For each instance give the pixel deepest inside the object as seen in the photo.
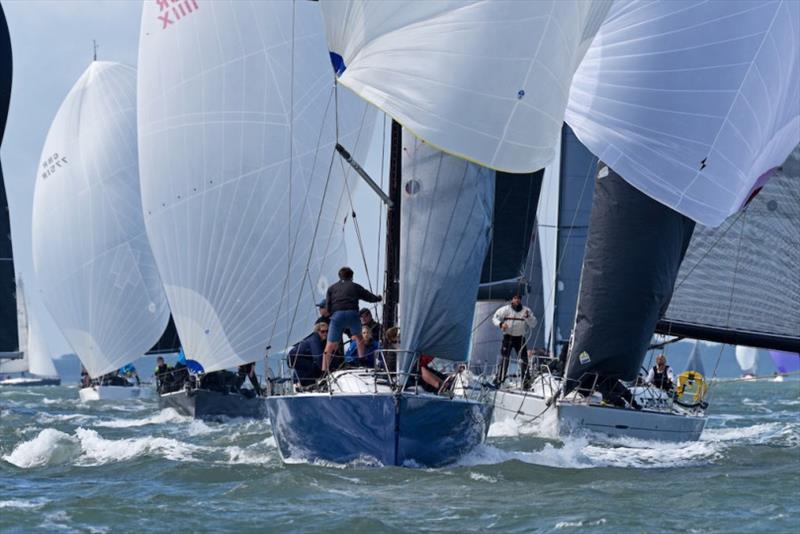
(392, 274)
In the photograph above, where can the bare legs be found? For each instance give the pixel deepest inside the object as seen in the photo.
(332, 346)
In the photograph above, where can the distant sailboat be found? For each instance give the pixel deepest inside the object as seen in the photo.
(786, 363)
(36, 357)
(747, 358)
(90, 251)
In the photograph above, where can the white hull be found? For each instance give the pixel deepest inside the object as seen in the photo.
(579, 416)
(95, 393)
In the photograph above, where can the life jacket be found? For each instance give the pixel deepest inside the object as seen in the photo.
(661, 380)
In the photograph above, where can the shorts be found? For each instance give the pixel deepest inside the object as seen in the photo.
(342, 320)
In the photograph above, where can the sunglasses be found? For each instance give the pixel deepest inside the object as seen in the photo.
(323, 331)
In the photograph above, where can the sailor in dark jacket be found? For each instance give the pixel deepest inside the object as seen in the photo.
(342, 303)
(306, 357)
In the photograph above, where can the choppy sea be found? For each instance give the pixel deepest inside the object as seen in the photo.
(118, 467)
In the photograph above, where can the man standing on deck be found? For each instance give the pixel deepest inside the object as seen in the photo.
(342, 303)
(514, 319)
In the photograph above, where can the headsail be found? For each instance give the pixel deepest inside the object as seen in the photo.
(485, 81)
(244, 197)
(692, 102)
(9, 340)
(633, 253)
(445, 222)
(92, 258)
(740, 282)
(40, 359)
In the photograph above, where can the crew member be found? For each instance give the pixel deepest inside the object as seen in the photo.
(661, 375)
(514, 319)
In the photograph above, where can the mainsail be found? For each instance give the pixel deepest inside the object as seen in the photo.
(9, 339)
(692, 102)
(740, 282)
(445, 222)
(244, 197)
(485, 81)
(92, 258)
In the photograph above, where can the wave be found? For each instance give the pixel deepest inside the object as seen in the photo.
(86, 447)
(167, 415)
(33, 504)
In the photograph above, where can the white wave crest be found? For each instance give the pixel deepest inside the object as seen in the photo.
(167, 415)
(33, 504)
(49, 447)
(579, 524)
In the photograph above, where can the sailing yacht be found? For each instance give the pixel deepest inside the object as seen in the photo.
(786, 363)
(747, 358)
(90, 251)
(36, 358)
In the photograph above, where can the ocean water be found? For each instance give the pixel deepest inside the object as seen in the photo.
(106, 467)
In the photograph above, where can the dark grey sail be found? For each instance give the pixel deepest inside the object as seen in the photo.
(578, 168)
(169, 341)
(633, 252)
(740, 282)
(9, 338)
(695, 362)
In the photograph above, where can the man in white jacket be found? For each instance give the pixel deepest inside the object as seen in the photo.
(515, 320)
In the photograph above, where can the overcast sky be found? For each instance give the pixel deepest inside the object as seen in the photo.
(52, 46)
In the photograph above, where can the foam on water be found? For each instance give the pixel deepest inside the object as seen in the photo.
(33, 504)
(87, 447)
(545, 426)
(579, 524)
(259, 453)
(167, 415)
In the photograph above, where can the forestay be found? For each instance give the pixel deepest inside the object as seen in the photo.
(740, 282)
(244, 200)
(485, 81)
(692, 102)
(446, 216)
(92, 258)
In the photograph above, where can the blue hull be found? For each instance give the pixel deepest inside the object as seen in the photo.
(394, 430)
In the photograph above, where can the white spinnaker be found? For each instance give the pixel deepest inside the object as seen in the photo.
(747, 358)
(237, 116)
(487, 81)
(692, 102)
(19, 365)
(91, 255)
(39, 357)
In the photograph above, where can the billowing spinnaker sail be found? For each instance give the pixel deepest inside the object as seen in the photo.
(39, 359)
(785, 362)
(485, 81)
(740, 281)
(244, 199)
(633, 252)
(444, 234)
(692, 102)
(747, 358)
(90, 251)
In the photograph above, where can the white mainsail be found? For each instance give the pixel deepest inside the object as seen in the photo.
(244, 197)
(90, 251)
(692, 102)
(40, 361)
(485, 81)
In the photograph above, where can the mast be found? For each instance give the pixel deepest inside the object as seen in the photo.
(391, 278)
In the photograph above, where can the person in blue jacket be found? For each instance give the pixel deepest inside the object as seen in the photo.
(371, 346)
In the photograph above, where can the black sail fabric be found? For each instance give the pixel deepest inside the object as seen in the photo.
(633, 253)
(516, 197)
(740, 282)
(169, 341)
(9, 338)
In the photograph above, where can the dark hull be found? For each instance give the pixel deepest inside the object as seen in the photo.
(205, 404)
(32, 382)
(412, 430)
